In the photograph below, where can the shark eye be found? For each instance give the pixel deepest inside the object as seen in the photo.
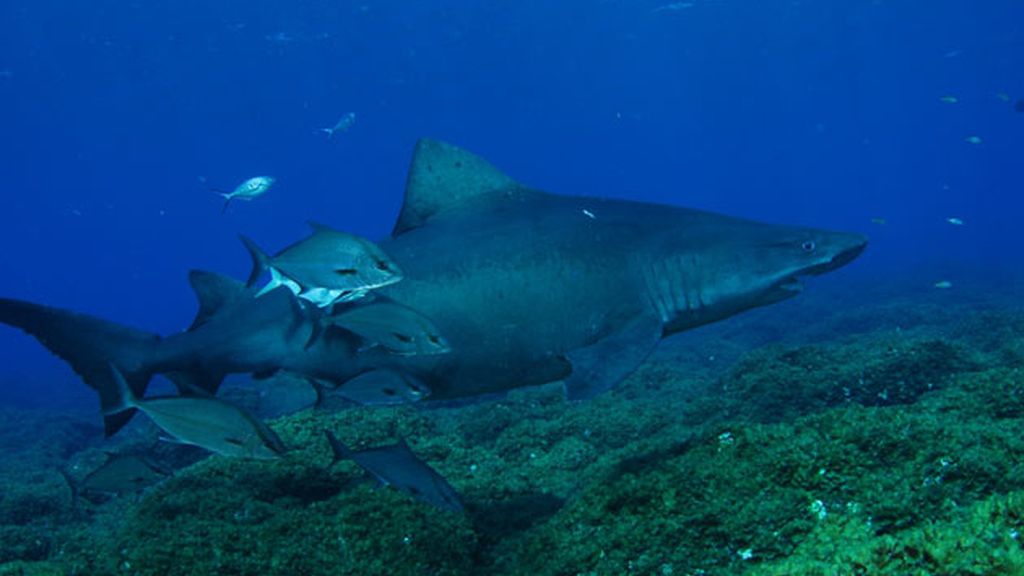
(808, 246)
(382, 265)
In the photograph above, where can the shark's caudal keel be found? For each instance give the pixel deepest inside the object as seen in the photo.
(523, 287)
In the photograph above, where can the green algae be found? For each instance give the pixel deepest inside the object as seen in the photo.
(888, 452)
(980, 540)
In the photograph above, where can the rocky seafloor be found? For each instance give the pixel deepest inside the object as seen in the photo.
(873, 430)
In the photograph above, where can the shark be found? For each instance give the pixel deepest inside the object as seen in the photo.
(527, 287)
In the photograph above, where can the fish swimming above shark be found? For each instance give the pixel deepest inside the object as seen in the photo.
(341, 126)
(252, 188)
(527, 287)
(328, 266)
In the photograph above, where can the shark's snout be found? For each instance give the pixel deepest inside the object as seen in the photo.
(842, 249)
(849, 248)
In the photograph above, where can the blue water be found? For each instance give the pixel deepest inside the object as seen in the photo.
(116, 117)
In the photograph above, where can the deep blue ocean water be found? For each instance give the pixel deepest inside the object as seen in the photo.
(116, 117)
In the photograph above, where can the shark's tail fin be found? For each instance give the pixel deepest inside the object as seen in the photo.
(328, 131)
(91, 346)
(341, 452)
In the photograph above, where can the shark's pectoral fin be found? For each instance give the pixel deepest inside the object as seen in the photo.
(600, 366)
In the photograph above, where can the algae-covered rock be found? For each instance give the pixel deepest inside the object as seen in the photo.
(983, 539)
(894, 448)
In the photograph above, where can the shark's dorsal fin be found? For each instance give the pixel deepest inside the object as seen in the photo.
(213, 291)
(442, 176)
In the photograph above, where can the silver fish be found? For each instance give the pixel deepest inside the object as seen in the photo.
(119, 474)
(207, 422)
(251, 188)
(381, 387)
(399, 329)
(327, 267)
(396, 465)
(341, 126)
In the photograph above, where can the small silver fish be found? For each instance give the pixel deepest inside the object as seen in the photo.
(381, 387)
(251, 188)
(327, 267)
(399, 329)
(119, 474)
(207, 422)
(674, 6)
(943, 284)
(341, 126)
(955, 221)
(398, 466)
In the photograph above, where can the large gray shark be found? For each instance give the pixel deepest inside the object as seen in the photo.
(528, 287)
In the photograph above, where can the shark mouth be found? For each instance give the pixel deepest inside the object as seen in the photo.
(791, 285)
(841, 258)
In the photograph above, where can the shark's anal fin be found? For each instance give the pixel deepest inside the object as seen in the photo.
(442, 176)
(600, 366)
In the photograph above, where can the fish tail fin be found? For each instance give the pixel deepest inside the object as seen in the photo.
(341, 452)
(126, 399)
(315, 315)
(227, 198)
(276, 279)
(73, 486)
(90, 345)
(319, 389)
(328, 131)
(321, 399)
(260, 260)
